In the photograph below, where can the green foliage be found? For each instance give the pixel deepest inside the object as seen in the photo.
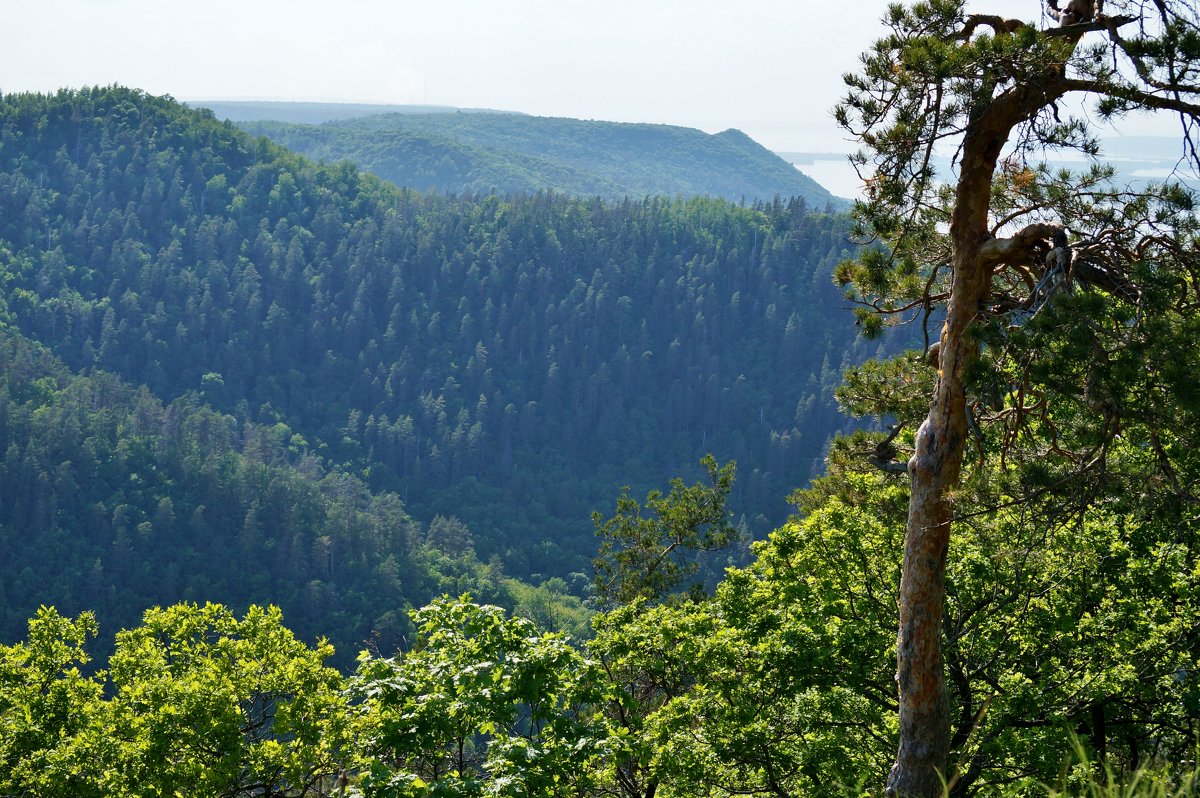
(198, 703)
(783, 683)
(897, 388)
(46, 705)
(554, 605)
(1054, 373)
(483, 705)
(652, 655)
(207, 704)
(136, 504)
(650, 558)
(481, 357)
(1071, 595)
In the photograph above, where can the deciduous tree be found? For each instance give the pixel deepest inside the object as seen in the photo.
(483, 705)
(46, 706)
(205, 703)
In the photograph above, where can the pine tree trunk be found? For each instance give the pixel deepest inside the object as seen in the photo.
(921, 762)
(920, 768)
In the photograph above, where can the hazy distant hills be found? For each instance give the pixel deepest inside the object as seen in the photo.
(314, 113)
(459, 151)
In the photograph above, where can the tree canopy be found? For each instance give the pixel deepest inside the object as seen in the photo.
(484, 357)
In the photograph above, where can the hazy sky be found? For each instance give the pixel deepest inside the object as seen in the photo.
(769, 67)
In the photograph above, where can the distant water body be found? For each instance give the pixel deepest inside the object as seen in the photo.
(831, 169)
(1138, 160)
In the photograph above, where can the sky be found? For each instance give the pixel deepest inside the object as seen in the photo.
(771, 68)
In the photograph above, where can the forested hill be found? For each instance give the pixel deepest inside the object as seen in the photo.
(115, 502)
(509, 153)
(511, 362)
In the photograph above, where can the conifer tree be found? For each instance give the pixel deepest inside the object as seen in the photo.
(988, 249)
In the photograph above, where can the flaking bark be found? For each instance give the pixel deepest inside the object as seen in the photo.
(936, 463)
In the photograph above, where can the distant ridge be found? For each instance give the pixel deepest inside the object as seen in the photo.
(314, 113)
(476, 151)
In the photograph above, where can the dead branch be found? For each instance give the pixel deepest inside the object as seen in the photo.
(1018, 248)
(1000, 25)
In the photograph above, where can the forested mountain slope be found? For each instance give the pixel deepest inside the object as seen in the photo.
(115, 502)
(510, 361)
(509, 153)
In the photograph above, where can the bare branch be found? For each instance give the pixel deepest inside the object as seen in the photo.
(1018, 248)
(884, 454)
(1104, 23)
(998, 24)
(1133, 96)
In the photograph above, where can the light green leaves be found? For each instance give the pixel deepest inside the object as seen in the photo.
(201, 703)
(46, 708)
(484, 705)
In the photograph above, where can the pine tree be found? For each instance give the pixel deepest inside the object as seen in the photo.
(979, 255)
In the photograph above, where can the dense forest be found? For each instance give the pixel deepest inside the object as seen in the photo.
(115, 502)
(267, 395)
(234, 375)
(485, 152)
(261, 329)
